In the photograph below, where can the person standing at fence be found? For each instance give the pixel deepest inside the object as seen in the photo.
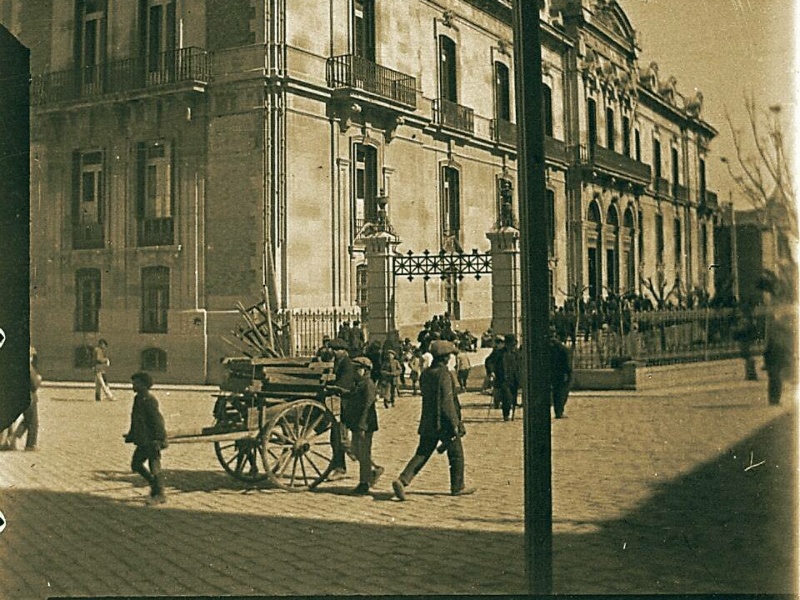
(101, 364)
(440, 423)
(362, 421)
(560, 374)
(356, 339)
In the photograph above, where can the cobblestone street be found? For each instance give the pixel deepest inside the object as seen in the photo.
(653, 492)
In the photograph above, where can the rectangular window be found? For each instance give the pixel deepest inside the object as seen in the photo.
(637, 140)
(90, 19)
(365, 209)
(502, 91)
(640, 222)
(657, 159)
(675, 171)
(547, 109)
(159, 39)
(703, 245)
(155, 194)
(87, 200)
(591, 118)
(659, 239)
(626, 136)
(364, 29)
(451, 203)
(447, 69)
(155, 299)
(362, 282)
(87, 300)
(678, 243)
(610, 141)
(702, 178)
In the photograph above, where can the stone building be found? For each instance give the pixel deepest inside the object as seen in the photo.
(190, 154)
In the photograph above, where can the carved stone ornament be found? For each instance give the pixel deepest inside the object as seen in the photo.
(447, 18)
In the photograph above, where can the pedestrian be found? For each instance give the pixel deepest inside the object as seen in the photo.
(747, 335)
(415, 368)
(148, 434)
(440, 423)
(778, 359)
(362, 421)
(489, 365)
(560, 374)
(101, 364)
(390, 378)
(345, 381)
(507, 375)
(29, 424)
(463, 367)
(324, 352)
(356, 339)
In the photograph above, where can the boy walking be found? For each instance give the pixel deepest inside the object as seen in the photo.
(148, 434)
(362, 419)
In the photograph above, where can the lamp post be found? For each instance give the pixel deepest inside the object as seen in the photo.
(535, 297)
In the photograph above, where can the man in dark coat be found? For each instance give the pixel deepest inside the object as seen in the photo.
(148, 434)
(440, 423)
(362, 421)
(560, 374)
(507, 375)
(345, 373)
(778, 359)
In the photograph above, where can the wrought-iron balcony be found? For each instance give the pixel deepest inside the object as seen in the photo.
(155, 232)
(356, 73)
(87, 235)
(504, 132)
(453, 116)
(680, 193)
(184, 65)
(555, 149)
(615, 164)
(662, 187)
(708, 201)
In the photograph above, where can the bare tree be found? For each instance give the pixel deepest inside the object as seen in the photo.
(762, 170)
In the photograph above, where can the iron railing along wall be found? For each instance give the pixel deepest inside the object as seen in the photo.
(87, 235)
(306, 328)
(504, 132)
(351, 71)
(453, 115)
(155, 232)
(180, 65)
(662, 337)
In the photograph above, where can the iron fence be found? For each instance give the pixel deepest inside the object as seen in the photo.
(664, 337)
(306, 327)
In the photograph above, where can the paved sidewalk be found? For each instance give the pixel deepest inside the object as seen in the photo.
(689, 490)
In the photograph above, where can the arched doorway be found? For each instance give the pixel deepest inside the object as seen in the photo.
(611, 247)
(594, 223)
(628, 258)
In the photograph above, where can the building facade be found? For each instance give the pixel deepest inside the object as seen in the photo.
(191, 154)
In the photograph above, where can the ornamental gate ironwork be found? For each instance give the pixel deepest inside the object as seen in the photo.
(442, 264)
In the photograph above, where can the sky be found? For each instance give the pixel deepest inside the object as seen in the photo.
(724, 48)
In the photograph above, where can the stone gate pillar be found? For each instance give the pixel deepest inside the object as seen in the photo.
(380, 248)
(506, 313)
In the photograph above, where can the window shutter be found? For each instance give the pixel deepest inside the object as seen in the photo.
(141, 166)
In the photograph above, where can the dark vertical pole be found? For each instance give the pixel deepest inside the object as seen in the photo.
(535, 297)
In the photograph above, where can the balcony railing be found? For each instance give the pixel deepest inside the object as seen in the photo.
(182, 65)
(680, 192)
(351, 71)
(662, 187)
(709, 202)
(504, 132)
(615, 163)
(155, 232)
(87, 235)
(450, 114)
(555, 149)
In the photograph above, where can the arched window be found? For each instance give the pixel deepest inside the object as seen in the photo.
(593, 258)
(547, 109)
(447, 69)
(610, 128)
(594, 213)
(612, 282)
(629, 259)
(591, 119)
(154, 359)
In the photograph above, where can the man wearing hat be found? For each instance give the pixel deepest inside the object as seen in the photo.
(490, 364)
(361, 419)
(345, 373)
(390, 377)
(148, 434)
(440, 423)
(507, 375)
(560, 373)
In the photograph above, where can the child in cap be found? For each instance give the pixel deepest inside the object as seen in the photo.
(148, 434)
(362, 419)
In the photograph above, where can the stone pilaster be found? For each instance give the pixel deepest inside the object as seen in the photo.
(506, 299)
(380, 248)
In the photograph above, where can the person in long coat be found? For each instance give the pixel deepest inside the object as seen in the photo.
(560, 374)
(362, 420)
(440, 423)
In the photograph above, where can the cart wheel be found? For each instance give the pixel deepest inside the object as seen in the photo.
(298, 445)
(242, 458)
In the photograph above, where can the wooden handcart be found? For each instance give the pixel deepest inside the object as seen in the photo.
(276, 419)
